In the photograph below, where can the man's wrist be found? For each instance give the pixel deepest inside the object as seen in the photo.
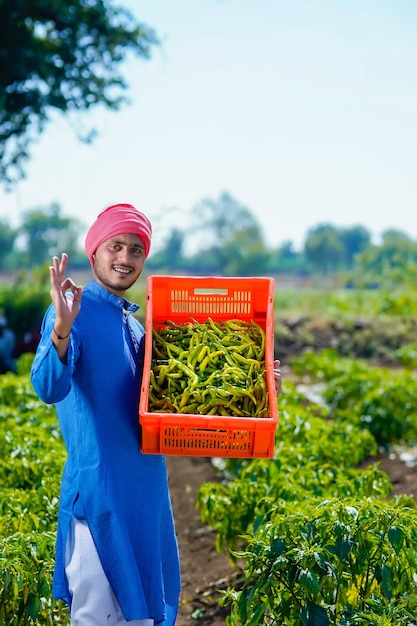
(60, 337)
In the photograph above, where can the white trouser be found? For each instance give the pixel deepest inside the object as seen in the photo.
(93, 601)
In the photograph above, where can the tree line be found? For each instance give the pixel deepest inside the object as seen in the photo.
(223, 237)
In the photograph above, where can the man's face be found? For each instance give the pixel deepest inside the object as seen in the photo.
(118, 262)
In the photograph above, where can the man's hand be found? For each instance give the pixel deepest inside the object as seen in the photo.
(277, 376)
(66, 306)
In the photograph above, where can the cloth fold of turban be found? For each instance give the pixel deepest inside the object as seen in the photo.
(115, 220)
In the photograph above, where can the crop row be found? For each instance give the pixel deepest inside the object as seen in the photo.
(322, 541)
(31, 461)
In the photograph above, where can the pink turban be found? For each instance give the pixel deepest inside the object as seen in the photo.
(115, 220)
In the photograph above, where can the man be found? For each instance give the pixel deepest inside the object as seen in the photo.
(117, 555)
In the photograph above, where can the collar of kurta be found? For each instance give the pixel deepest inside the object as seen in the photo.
(118, 301)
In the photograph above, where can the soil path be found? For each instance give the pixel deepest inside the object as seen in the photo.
(203, 570)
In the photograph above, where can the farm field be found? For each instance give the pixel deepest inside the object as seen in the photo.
(204, 570)
(347, 410)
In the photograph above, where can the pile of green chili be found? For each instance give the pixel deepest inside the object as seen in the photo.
(209, 368)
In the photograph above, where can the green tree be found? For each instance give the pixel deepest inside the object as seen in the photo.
(229, 236)
(395, 237)
(324, 249)
(170, 256)
(7, 240)
(286, 260)
(62, 56)
(247, 253)
(217, 219)
(393, 263)
(355, 240)
(47, 233)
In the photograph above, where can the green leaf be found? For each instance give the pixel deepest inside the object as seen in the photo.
(314, 615)
(308, 580)
(292, 575)
(257, 616)
(32, 606)
(278, 546)
(387, 584)
(343, 546)
(396, 537)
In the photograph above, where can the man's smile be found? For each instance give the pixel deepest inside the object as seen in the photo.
(122, 270)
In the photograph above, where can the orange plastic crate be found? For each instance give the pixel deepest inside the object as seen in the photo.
(182, 299)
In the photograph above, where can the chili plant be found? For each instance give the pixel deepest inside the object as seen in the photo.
(26, 563)
(340, 561)
(31, 460)
(374, 398)
(314, 457)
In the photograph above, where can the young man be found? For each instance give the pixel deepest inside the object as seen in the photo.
(117, 556)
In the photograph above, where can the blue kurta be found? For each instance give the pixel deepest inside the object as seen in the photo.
(121, 493)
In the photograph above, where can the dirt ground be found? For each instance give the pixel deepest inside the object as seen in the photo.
(204, 571)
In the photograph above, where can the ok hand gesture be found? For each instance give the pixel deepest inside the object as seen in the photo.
(66, 306)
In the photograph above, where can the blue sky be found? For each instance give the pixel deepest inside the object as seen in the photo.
(305, 111)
